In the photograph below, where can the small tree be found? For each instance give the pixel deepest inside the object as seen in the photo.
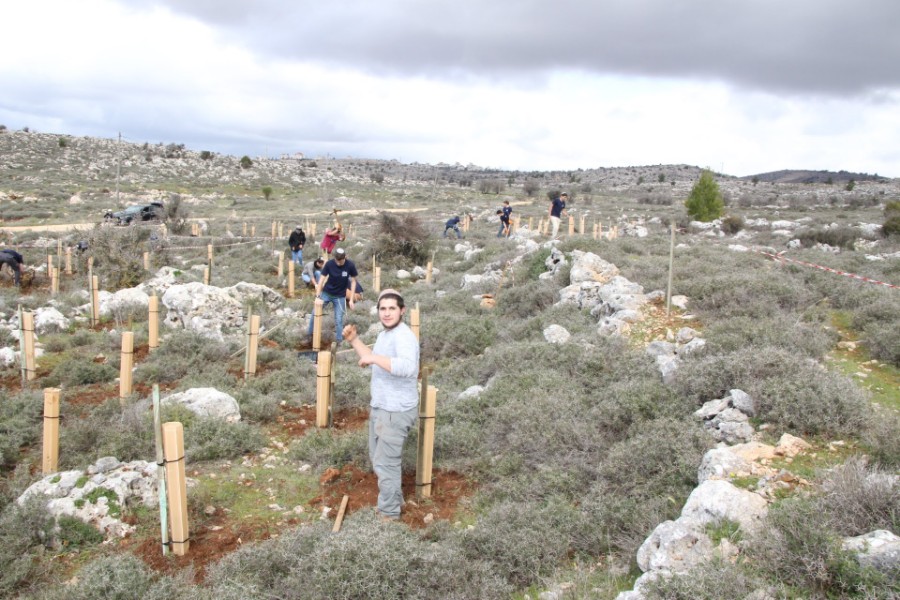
(850, 185)
(377, 177)
(205, 155)
(246, 163)
(661, 178)
(267, 191)
(705, 202)
(531, 187)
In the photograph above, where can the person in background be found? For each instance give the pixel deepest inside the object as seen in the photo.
(16, 263)
(557, 210)
(454, 225)
(505, 212)
(338, 275)
(312, 271)
(296, 241)
(332, 236)
(394, 406)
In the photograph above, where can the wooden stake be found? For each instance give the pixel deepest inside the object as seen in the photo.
(153, 323)
(244, 234)
(68, 261)
(27, 331)
(290, 279)
(51, 430)
(317, 324)
(160, 473)
(530, 223)
(671, 268)
(376, 280)
(206, 275)
(340, 516)
(280, 263)
(54, 281)
(425, 454)
(323, 388)
(253, 231)
(95, 300)
(252, 345)
(146, 261)
(127, 362)
(49, 263)
(428, 270)
(173, 446)
(414, 320)
(571, 225)
(581, 225)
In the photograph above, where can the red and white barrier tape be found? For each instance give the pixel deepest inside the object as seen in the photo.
(782, 258)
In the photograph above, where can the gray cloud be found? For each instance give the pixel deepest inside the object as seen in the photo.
(832, 47)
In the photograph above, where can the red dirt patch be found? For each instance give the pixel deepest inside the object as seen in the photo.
(296, 420)
(209, 542)
(448, 488)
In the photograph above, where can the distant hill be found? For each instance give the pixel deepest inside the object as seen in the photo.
(801, 176)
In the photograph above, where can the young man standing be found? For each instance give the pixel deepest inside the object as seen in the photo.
(338, 275)
(395, 398)
(557, 209)
(296, 241)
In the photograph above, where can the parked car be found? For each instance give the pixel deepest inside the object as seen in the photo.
(139, 212)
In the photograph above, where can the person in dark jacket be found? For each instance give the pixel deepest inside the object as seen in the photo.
(454, 225)
(296, 241)
(15, 261)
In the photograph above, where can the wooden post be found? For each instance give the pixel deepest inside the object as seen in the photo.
(173, 446)
(68, 261)
(26, 330)
(160, 473)
(414, 323)
(571, 225)
(376, 281)
(127, 362)
(209, 254)
(428, 269)
(280, 262)
(252, 345)
(323, 388)
(206, 275)
(153, 323)
(530, 223)
(146, 261)
(671, 268)
(95, 300)
(425, 454)
(317, 324)
(280, 229)
(54, 281)
(253, 231)
(291, 279)
(51, 430)
(49, 264)
(581, 225)
(244, 234)
(340, 516)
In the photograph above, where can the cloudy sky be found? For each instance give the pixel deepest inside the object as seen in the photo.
(740, 86)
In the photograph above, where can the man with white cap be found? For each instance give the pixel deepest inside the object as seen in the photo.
(338, 275)
(395, 398)
(296, 241)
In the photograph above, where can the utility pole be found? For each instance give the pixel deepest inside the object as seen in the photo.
(118, 165)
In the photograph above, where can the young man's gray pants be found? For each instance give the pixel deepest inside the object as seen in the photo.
(387, 434)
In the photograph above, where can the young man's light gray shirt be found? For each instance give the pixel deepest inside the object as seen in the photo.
(396, 390)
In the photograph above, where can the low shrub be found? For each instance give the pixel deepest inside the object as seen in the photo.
(75, 533)
(20, 424)
(209, 439)
(881, 439)
(791, 392)
(778, 331)
(856, 499)
(184, 352)
(23, 529)
(78, 371)
(713, 580)
(323, 449)
(402, 240)
(841, 236)
(732, 224)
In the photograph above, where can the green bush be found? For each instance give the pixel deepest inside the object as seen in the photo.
(323, 449)
(369, 559)
(714, 580)
(779, 331)
(790, 391)
(79, 371)
(732, 224)
(800, 550)
(881, 439)
(839, 237)
(209, 439)
(20, 424)
(23, 530)
(75, 533)
(182, 353)
(120, 576)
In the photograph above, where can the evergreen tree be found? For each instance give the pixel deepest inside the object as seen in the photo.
(705, 202)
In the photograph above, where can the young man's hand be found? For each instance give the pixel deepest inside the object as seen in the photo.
(349, 332)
